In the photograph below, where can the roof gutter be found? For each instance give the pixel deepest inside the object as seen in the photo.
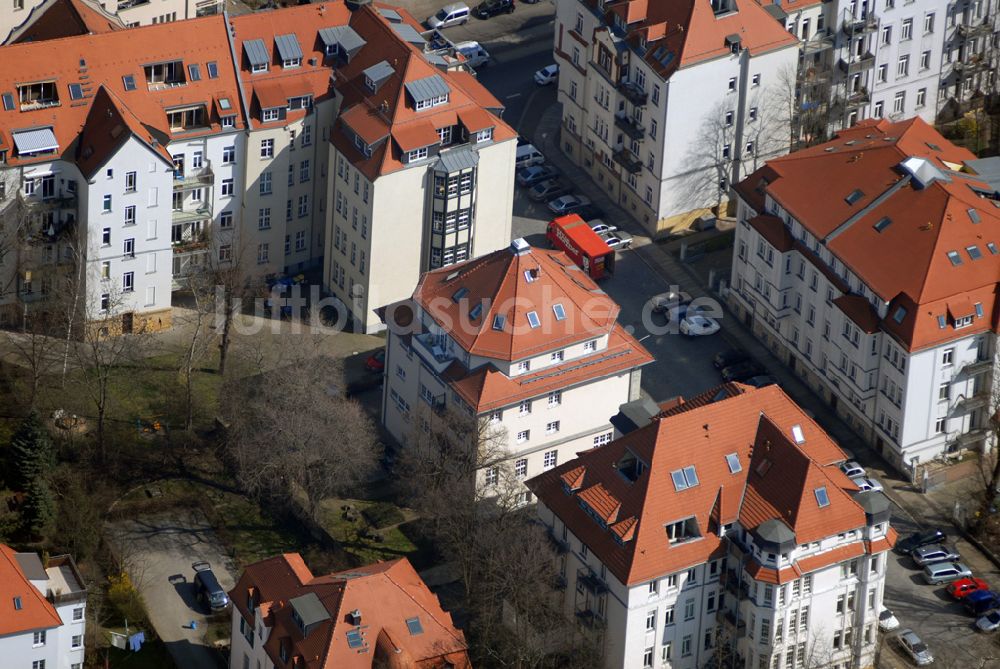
(236, 69)
(840, 229)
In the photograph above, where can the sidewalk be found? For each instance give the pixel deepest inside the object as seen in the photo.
(934, 508)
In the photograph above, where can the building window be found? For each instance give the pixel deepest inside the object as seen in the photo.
(552, 427)
(878, 109)
(523, 436)
(128, 282)
(265, 183)
(521, 468)
(227, 187)
(555, 398)
(647, 658)
(524, 408)
(550, 459)
(944, 392)
(907, 30)
(602, 439)
(921, 98)
(229, 155)
(263, 252)
(903, 66)
(928, 23)
(76, 641)
(38, 639)
(491, 475)
(948, 356)
(78, 614)
(106, 207)
(418, 154)
(264, 218)
(898, 102)
(130, 181)
(686, 646)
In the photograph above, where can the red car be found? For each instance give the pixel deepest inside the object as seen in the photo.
(376, 361)
(965, 586)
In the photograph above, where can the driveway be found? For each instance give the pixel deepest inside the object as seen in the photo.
(162, 549)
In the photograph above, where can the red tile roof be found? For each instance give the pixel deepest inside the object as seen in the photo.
(108, 126)
(755, 425)
(65, 18)
(510, 286)
(36, 613)
(388, 111)
(906, 261)
(387, 595)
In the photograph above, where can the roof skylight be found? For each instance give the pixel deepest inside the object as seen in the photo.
(882, 224)
(354, 639)
(8, 102)
(974, 252)
(129, 82)
(954, 258)
(559, 311)
(974, 215)
(533, 319)
(942, 322)
(822, 498)
(854, 196)
(798, 435)
(459, 294)
(899, 315)
(992, 247)
(498, 321)
(213, 69)
(413, 624)
(684, 478)
(733, 461)
(476, 311)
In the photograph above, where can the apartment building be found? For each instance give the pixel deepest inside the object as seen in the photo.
(721, 532)
(971, 56)
(50, 19)
(521, 339)
(667, 104)
(424, 165)
(44, 611)
(869, 263)
(382, 615)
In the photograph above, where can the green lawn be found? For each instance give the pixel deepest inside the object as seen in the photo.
(365, 549)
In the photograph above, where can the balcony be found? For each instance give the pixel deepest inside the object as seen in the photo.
(588, 618)
(854, 100)
(977, 366)
(591, 581)
(735, 586)
(976, 400)
(633, 93)
(180, 216)
(853, 26)
(560, 546)
(629, 126)
(857, 64)
(129, 4)
(736, 627)
(433, 350)
(39, 202)
(188, 260)
(975, 63)
(978, 30)
(817, 43)
(628, 161)
(193, 178)
(972, 436)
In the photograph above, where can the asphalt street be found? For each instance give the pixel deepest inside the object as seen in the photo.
(163, 549)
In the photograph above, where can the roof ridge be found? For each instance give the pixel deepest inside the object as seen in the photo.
(387, 574)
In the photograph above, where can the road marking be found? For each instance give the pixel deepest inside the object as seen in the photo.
(513, 95)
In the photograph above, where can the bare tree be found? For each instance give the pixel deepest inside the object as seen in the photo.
(229, 272)
(712, 156)
(293, 435)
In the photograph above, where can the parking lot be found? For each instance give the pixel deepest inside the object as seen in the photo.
(161, 550)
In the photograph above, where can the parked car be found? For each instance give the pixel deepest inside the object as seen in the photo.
(865, 483)
(932, 553)
(742, 371)
(852, 469)
(887, 620)
(761, 381)
(918, 539)
(208, 591)
(527, 155)
(547, 75)
(475, 55)
(981, 602)
(914, 647)
(945, 572)
(966, 586)
(672, 298)
(618, 239)
(729, 357)
(455, 14)
(589, 212)
(529, 176)
(376, 361)
(548, 189)
(699, 326)
(989, 623)
(565, 204)
(490, 8)
(600, 227)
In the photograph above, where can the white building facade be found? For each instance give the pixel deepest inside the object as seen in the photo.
(733, 587)
(909, 366)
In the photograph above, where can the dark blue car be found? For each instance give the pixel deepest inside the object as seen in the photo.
(981, 602)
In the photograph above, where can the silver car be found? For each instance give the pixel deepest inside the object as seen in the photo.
(915, 648)
(989, 623)
(852, 469)
(945, 572)
(926, 555)
(865, 484)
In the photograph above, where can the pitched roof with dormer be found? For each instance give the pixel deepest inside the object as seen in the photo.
(733, 454)
(382, 614)
(903, 209)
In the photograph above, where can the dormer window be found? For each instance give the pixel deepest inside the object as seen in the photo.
(683, 530)
(416, 154)
(186, 118)
(289, 50)
(432, 102)
(361, 146)
(160, 75)
(257, 54)
(300, 102)
(37, 95)
(272, 114)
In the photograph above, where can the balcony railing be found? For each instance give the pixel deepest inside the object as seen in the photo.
(976, 30)
(591, 581)
(976, 400)
(857, 64)
(817, 43)
(628, 161)
(853, 26)
(975, 63)
(629, 126)
(977, 366)
(194, 178)
(735, 626)
(181, 216)
(972, 436)
(432, 350)
(589, 618)
(633, 93)
(558, 544)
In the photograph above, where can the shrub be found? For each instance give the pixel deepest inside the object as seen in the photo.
(383, 514)
(126, 599)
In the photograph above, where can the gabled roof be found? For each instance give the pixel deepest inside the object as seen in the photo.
(108, 126)
(519, 292)
(64, 18)
(894, 203)
(748, 424)
(399, 615)
(383, 118)
(35, 612)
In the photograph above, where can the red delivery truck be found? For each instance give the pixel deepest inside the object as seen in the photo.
(574, 236)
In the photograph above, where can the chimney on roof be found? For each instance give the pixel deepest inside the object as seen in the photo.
(519, 246)
(355, 617)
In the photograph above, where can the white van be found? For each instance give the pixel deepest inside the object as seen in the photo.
(475, 55)
(454, 14)
(527, 156)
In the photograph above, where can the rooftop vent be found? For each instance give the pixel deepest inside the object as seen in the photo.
(355, 616)
(922, 170)
(519, 246)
